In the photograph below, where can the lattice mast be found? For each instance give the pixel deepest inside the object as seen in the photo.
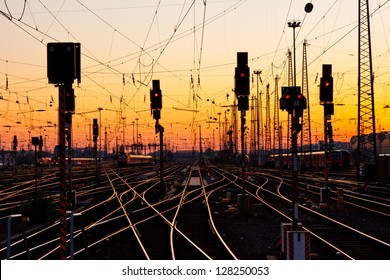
(306, 131)
(267, 121)
(290, 76)
(277, 136)
(366, 143)
(253, 126)
(290, 84)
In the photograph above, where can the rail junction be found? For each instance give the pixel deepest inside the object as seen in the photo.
(205, 214)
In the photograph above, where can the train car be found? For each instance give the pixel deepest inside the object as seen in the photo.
(337, 159)
(314, 160)
(138, 159)
(45, 161)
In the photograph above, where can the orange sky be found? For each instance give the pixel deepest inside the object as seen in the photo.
(190, 46)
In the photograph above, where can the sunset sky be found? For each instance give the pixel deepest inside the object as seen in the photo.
(191, 47)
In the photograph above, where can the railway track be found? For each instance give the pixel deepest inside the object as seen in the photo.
(124, 216)
(129, 219)
(350, 242)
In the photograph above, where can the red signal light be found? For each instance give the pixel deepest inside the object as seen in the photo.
(287, 96)
(242, 75)
(299, 96)
(155, 99)
(327, 84)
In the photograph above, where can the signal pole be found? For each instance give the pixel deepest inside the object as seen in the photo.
(294, 103)
(63, 67)
(294, 123)
(95, 132)
(241, 89)
(326, 99)
(155, 107)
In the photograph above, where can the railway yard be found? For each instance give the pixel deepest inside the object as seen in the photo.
(206, 212)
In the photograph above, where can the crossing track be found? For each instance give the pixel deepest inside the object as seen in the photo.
(349, 242)
(376, 202)
(129, 219)
(345, 179)
(42, 237)
(124, 216)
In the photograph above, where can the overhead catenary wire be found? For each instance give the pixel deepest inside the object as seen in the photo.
(110, 67)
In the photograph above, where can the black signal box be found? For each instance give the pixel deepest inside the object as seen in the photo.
(35, 141)
(69, 100)
(243, 102)
(95, 128)
(241, 75)
(291, 99)
(63, 63)
(155, 96)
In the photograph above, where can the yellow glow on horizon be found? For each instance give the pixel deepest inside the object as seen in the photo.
(127, 45)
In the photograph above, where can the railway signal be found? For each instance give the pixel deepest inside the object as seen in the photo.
(294, 103)
(40, 142)
(69, 100)
(63, 63)
(155, 96)
(156, 99)
(242, 74)
(242, 81)
(35, 141)
(326, 99)
(330, 131)
(242, 91)
(292, 99)
(155, 108)
(15, 143)
(326, 84)
(63, 67)
(95, 129)
(243, 102)
(328, 109)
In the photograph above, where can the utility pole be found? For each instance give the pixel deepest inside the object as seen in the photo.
(124, 133)
(95, 132)
(306, 133)
(241, 89)
(290, 84)
(294, 103)
(258, 119)
(155, 107)
(267, 121)
(326, 99)
(366, 140)
(63, 67)
(200, 143)
(219, 131)
(295, 129)
(277, 131)
(136, 136)
(100, 133)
